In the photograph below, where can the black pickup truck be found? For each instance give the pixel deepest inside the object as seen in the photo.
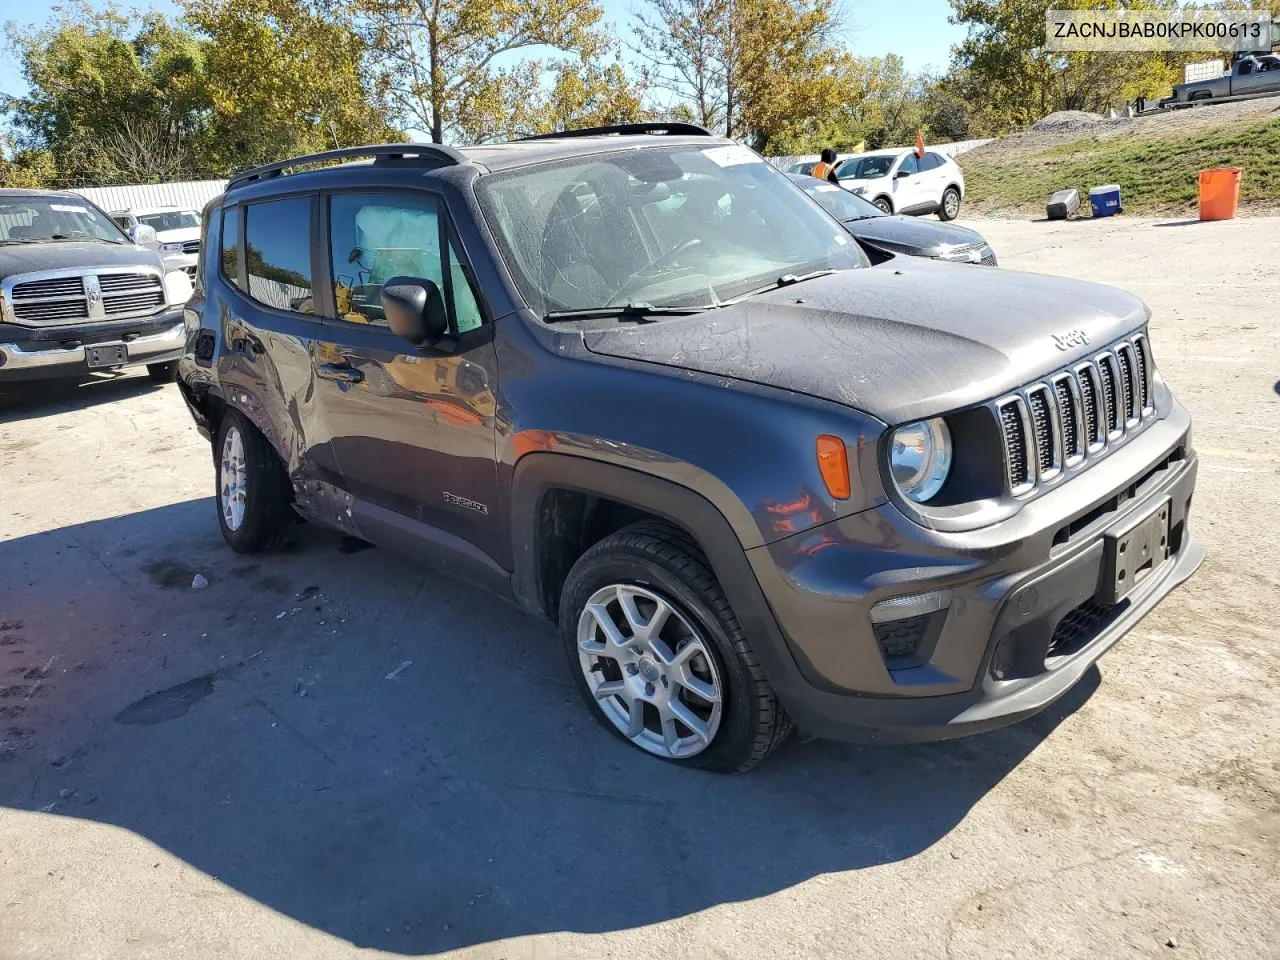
(79, 294)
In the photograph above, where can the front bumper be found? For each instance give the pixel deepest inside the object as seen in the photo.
(158, 340)
(1022, 623)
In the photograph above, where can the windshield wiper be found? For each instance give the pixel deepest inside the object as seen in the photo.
(21, 240)
(786, 280)
(637, 310)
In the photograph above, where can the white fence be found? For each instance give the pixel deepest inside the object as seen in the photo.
(187, 195)
(946, 149)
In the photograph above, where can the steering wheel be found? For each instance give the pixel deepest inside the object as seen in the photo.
(654, 266)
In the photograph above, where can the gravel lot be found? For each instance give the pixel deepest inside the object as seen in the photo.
(228, 772)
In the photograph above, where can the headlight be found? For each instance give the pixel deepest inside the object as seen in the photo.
(171, 247)
(177, 288)
(920, 458)
(859, 190)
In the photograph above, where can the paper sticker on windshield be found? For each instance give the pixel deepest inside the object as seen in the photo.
(67, 208)
(840, 241)
(731, 156)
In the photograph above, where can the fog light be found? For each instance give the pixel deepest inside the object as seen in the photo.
(916, 605)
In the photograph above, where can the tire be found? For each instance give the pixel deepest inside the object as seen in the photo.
(884, 204)
(949, 208)
(699, 646)
(264, 513)
(163, 372)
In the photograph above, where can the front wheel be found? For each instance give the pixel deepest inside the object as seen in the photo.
(949, 209)
(883, 204)
(659, 656)
(254, 496)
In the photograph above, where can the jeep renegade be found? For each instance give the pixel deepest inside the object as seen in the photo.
(636, 381)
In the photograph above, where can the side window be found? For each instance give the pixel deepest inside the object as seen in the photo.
(230, 246)
(930, 161)
(277, 253)
(374, 237)
(210, 240)
(909, 164)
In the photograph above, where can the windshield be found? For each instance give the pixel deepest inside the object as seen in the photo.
(664, 226)
(839, 202)
(170, 220)
(43, 219)
(864, 168)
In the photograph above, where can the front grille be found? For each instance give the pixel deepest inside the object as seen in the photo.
(191, 246)
(1089, 401)
(1073, 414)
(1015, 444)
(1038, 402)
(1067, 409)
(75, 296)
(988, 258)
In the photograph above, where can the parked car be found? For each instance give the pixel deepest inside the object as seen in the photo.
(898, 234)
(78, 294)
(671, 409)
(805, 168)
(177, 234)
(897, 181)
(1247, 75)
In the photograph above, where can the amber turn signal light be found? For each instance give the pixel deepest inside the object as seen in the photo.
(833, 464)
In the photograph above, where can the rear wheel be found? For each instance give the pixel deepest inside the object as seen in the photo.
(949, 209)
(884, 204)
(659, 656)
(162, 372)
(253, 496)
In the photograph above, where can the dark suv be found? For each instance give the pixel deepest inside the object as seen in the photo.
(636, 381)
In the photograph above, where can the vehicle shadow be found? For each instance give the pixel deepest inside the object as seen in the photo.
(394, 758)
(33, 399)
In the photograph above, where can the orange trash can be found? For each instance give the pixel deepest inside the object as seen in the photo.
(1219, 193)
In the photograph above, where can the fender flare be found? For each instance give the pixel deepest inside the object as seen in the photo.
(536, 473)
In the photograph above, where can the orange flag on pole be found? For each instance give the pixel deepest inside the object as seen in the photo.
(919, 144)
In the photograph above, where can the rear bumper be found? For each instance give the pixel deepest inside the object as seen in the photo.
(1023, 619)
(163, 340)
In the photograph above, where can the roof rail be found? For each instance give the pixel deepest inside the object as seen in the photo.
(432, 153)
(671, 129)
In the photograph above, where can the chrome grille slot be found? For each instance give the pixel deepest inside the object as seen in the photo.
(109, 282)
(191, 246)
(1042, 428)
(1110, 402)
(1069, 413)
(1013, 424)
(128, 293)
(51, 311)
(1089, 402)
(1144, 371)
(1130, 407)
(61, 287)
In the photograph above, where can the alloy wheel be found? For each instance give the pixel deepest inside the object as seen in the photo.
(233, 479)
(650, 671)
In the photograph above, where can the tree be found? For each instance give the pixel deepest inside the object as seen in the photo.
(283, 79)
(450, 66)
(686, 44)
(135, 150)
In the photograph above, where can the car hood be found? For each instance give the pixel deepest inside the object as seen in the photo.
(181, 234)
(64, 254)
(910, 233)
(901, 341)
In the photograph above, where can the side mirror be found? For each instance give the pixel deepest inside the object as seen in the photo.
(143, 235)
(903, 173)
(415, 311)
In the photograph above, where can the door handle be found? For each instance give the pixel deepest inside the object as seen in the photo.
(341, 372)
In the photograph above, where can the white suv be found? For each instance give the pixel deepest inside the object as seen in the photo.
(897, 181)
(177, 234)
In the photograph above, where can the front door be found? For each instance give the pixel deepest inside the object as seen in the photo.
(413, 430)
(908, 185)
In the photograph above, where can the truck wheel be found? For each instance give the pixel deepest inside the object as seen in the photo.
(659, 656)
(162, 372)
(253, 493)
(949, 209)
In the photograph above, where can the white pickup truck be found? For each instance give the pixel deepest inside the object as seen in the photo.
(1248, 75)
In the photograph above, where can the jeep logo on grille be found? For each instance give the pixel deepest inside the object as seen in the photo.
(1072, 338)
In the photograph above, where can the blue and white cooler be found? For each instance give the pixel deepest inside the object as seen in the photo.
(1105, 201)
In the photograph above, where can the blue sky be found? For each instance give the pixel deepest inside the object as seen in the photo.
(915, 29)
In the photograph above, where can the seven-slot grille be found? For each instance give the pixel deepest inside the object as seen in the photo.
(1055, 424)
(75, 296)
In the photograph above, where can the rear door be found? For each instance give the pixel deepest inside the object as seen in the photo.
(933, 176)
(413, 429)
(270, 326)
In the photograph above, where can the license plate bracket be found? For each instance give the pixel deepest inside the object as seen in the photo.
(106, 355)
(1134, 550)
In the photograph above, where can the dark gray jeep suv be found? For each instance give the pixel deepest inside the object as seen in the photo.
(634, 380)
